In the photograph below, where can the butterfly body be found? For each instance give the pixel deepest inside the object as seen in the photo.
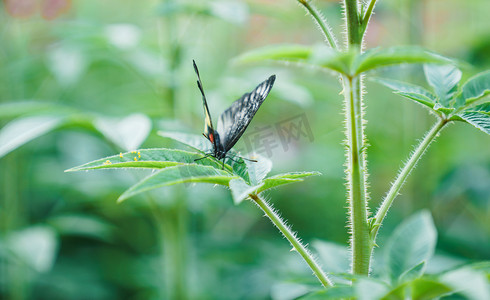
(235, 119)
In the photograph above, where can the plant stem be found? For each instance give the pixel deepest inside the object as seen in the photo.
(292, 238)
(356, 177)
(356, 156)
(322, 23)
(402, 176)
(367, 15)
(353, 23)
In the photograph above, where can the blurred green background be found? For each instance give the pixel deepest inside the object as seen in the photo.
(94, 78)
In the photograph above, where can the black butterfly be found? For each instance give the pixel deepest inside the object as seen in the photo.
(233, 121)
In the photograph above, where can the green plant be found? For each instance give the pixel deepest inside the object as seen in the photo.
(449, 102)
(411, 245)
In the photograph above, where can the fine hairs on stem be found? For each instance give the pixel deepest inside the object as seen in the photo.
(292, 238)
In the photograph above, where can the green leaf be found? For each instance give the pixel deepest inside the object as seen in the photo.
(443, 79)
(419, 289)
(197, 142)
(333, 257)
(480, 120)
(336, 292)
(147, 159)
(82, 225)
(428, 289)
(468, 282)
(179, 174)
(320, 56)
(410, 91)
(484, 108)
(19, 108)
(36, 246)
(259, 169)
(476, 87)
(23, 130)
(382, 57)
(241, 189)
(411, 243)
(282, 179)
(369, 289)
(415, 272)
(289, 290)
(292, 53)
(128, 133)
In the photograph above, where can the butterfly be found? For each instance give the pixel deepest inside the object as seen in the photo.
(234, 120)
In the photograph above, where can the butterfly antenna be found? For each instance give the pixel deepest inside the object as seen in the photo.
(206, 156)
(199, 82)
(244, 158)
(252, 160)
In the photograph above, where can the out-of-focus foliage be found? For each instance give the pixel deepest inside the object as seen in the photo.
(97, 78)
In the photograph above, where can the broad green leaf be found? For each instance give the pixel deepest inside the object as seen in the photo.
(417, 98)
(19, 108)
(443, 79)
(295, 53)
(481, 108)
(179, 174)
(481, 266)
(418, 289)
(282, 179)
(411, 243)
(480, 120)
(336, 292)
(369, 289)
(320, 56)
(470, 283)
(476, 87)
(410, 91)
(198, 142)
(23, 130)
(128, 133)
(240, 190)
(382, 57)
(146, 159)
(36, 246)
(259, 169)
(82, 225)
(334, 60)
(428, 289)
(289, 290)
(333, 257)
(415, 272)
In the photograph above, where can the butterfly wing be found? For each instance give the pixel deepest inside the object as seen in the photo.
(209, 132)
(233, 121)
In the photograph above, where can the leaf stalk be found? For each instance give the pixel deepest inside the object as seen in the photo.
(321, 22)
(292, 238)
(404, 173)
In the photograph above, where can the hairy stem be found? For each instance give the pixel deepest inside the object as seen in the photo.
(356, 156)
(367, 16)
(356, 177)
(322, 23)
(353, 23)
(291, 237)
(402, 176)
